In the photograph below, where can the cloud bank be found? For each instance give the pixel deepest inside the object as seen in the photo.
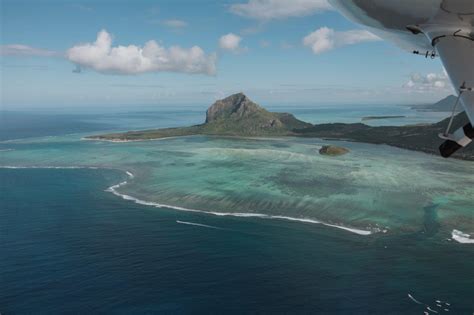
(152, 57)
(24, 50)
(173, 23)
(230, 42)
(279, 9)
(429, 82)
(326, 39)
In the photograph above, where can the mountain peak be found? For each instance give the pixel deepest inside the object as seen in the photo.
(234, 106)
(239, 115)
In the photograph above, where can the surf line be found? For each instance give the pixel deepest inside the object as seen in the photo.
(113, 189)
(461, 237)
(428, 308)
(49, 167)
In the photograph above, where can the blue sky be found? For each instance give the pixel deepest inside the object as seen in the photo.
(50, 57)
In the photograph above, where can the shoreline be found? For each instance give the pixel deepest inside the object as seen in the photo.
(269, 138)
(237, 115)
(125, 141)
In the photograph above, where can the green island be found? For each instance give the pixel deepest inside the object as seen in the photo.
(382, 117)
(238, 116)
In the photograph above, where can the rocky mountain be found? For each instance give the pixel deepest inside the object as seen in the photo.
(238, 115)
(235, 115)
(234, 107)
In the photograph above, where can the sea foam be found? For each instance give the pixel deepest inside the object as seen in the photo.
(413, 299)
(461, 237)
(113, 189)
(50, 167)
(125, 141)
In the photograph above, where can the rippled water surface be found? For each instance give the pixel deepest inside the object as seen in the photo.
(171, 225)
(373, 188)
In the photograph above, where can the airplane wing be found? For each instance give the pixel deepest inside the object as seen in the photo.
(455, 47)
(430, 27)
(456, 50)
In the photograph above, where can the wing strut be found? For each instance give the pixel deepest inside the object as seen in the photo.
(445, 135)
(455, 46)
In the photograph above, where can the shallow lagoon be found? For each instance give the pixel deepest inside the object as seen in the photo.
(373, 188)
(69, 244)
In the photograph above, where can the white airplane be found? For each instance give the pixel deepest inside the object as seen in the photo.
(432, 28)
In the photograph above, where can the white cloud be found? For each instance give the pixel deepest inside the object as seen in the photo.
(230, 42)
(254, 29)
(173, 23)
(279, 9)
(429, 82)
(265, 43)
(286, 45)
(83, 7)
(325, 39)
(24, 50)
(152, 57)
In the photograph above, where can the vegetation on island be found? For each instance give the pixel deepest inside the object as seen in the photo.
(235, 115)
(382, 117)
(414, 137)
(238, 116)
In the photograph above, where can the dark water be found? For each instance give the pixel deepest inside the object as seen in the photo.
(67, 246)
(17, 125)
(27, 124)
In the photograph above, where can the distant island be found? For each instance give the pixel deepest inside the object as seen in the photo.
(381, 117)
(238, 116)
(444, 105)
(235, 115)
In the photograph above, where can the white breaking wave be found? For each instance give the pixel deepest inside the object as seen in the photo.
(125, 141)
(353, 230)
(50, 167)
(428, 308)
(6, 150)
(414, 300)
(461, 237)
(113, 189)
(198, 224)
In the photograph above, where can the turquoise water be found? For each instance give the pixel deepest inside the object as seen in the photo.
(149, 226)
(373, 188)
(69, 246)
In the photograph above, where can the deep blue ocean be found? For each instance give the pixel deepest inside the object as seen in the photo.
(69, 246)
